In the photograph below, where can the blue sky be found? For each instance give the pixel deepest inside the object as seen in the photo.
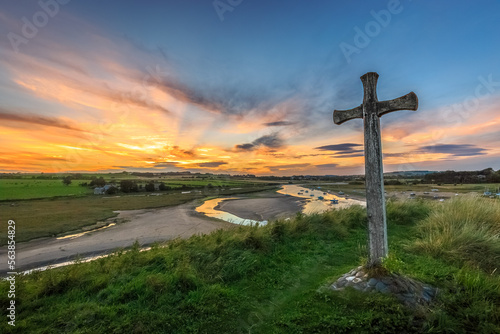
(231, 73)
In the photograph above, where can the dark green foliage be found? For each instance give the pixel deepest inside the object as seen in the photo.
(150, 186)
(97, 182)
(128, 186)
(112, 190)
(66, 180)
(163, 187)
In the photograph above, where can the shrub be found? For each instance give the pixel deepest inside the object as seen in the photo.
(150, 186)
(163, 187)
(128, 186)
(66, 180)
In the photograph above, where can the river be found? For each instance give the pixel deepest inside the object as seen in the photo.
(314, 204)
(208, 209)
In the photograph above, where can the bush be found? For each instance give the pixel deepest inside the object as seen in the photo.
(97, 182)
(392, 183)
(164, 187)
(66, 180)
(112, 190)
(128, 186)
(150, 186)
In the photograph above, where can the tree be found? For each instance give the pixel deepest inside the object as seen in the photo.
(150, 186)
(97, 182)
(66, 180)
(128, 186)
(163, 187)
(112, 190)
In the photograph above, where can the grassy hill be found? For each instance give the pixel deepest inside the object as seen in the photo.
(268, 279)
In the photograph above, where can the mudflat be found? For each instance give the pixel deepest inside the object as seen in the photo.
(146, 226)
(263, 208)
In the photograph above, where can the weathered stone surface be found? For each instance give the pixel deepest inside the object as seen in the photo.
(410, 292)
(380, 286)
(372, 282)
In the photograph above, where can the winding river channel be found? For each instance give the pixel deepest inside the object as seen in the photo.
(209, 209)
(317, 201)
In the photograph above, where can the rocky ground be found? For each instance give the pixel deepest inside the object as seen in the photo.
(409, 291)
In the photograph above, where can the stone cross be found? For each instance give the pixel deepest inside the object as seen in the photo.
(371, 110)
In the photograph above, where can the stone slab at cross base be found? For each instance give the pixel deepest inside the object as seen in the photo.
(409, 291)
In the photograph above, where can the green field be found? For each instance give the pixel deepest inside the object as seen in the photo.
(271, 279)
(29, 188)
(15, 189)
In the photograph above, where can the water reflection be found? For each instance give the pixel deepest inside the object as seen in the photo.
(318, 200)
(73, 236)
(208, 209)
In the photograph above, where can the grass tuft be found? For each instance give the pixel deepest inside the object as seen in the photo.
(465, 230)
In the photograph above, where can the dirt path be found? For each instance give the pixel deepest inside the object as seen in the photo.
(146, 226)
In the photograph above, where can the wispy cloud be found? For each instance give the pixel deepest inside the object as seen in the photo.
(32, 119)
(212, 164)
(298, 168)
(456, 150)
(327, 165)
(344, 150)
(279, 123)
(268, 141)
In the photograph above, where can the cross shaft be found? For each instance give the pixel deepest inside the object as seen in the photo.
(371, 110)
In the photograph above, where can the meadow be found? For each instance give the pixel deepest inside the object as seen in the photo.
(16, 189)
(271, 279)
(32, 188)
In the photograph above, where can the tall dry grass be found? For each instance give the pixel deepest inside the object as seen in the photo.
(465, 229)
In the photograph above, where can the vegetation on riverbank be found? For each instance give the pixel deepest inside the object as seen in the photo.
(51, 217)
(268, 280)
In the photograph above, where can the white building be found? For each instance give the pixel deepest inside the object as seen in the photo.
(101, 190)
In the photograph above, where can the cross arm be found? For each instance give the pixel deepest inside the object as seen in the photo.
(406, 102)
(341, 116)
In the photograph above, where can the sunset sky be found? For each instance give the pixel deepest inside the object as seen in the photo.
(245, 86)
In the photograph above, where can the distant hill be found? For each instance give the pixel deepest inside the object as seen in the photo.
(410, 173)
